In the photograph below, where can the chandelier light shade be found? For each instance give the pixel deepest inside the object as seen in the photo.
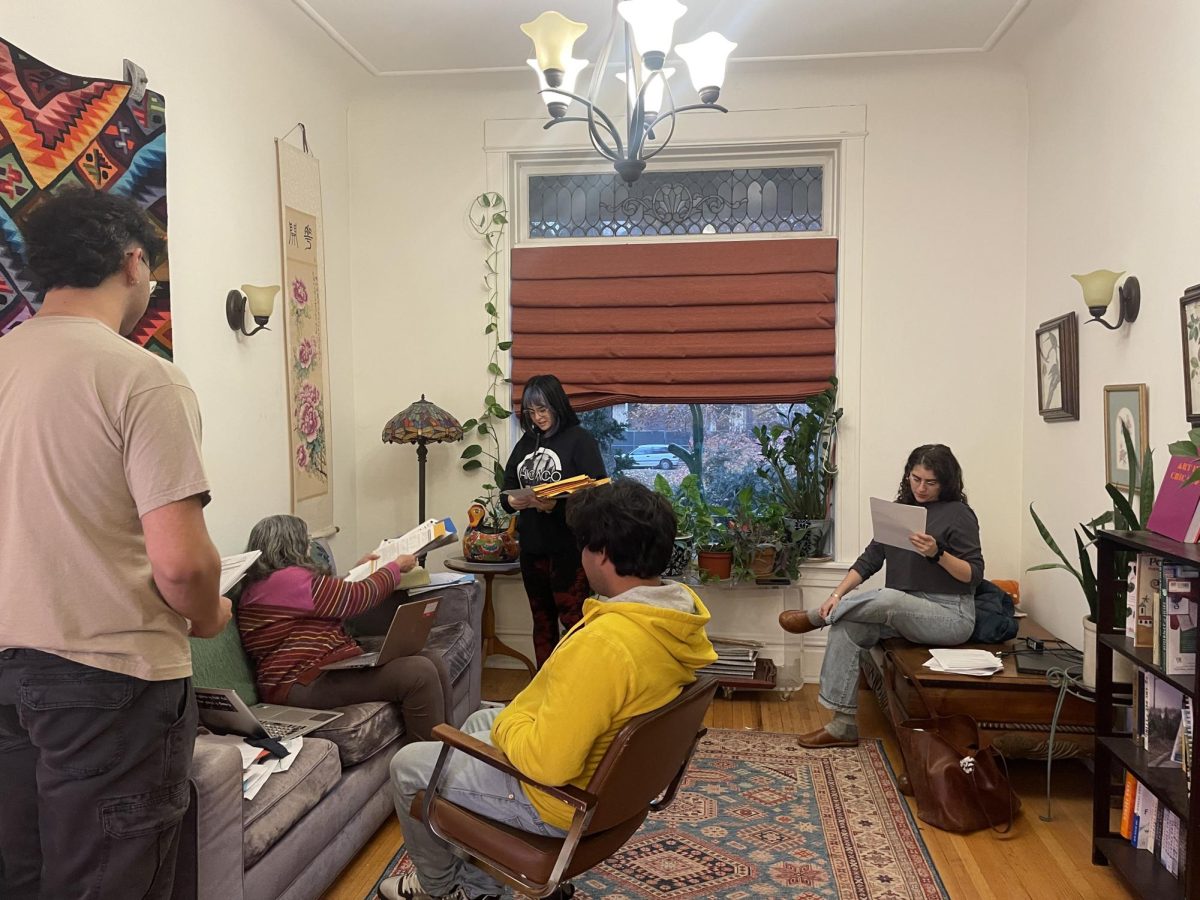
(554, 37)
(653, 23)
(706, 57)
(421, 423)
(647, 28)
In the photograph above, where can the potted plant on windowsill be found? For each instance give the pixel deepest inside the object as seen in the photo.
(684, 500)
(759, 545)
(1124, 517)
(798, 461)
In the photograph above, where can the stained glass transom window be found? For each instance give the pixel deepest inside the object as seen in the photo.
(722, 201)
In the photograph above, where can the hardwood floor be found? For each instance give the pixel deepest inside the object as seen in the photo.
(1037, 860)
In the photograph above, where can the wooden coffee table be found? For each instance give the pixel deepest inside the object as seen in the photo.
(1012, 709)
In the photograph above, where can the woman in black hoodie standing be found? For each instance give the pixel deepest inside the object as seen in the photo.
(554, 446)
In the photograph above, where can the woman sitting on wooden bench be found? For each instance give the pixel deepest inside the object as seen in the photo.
(928, 597)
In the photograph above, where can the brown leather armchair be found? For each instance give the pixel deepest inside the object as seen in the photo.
(639, 774)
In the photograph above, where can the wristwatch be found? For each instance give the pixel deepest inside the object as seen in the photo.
(937, 556)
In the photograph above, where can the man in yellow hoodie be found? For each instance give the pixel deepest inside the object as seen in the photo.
(639, 643)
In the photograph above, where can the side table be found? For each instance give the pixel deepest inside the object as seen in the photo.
(492, 645)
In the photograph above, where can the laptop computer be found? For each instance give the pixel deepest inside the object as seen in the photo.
(1035, 662)
(222, 710)
(405, 636)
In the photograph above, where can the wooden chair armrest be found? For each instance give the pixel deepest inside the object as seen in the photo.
(575, 797)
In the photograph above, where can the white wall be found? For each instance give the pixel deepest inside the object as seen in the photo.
(235, 76)
(944, 273)
(1113, 182)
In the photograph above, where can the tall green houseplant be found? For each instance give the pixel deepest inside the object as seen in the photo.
(798, 459)
(488, 215)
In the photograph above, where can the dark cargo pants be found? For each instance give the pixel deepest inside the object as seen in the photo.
(94, 769)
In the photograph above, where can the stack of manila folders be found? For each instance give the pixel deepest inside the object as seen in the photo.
(258, 764)
(964, 661)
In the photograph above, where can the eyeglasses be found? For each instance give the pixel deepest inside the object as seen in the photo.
(538, 410)
(928, 482)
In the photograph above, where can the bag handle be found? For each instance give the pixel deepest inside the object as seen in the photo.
(1012, 812)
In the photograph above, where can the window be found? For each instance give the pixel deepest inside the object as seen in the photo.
(720, 201)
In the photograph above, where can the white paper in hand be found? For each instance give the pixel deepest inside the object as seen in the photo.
(892, 523)
(234, 567)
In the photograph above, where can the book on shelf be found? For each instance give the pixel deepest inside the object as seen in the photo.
(1176, 511)
(1145, 810)
(1131, 784)
(1145, 580)
(1164, 711)
(1181, 636)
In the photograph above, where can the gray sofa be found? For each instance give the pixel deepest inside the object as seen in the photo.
(306, 824)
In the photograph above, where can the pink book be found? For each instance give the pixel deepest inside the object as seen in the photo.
(1176, 512)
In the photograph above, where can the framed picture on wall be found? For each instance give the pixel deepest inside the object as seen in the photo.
(1056, 350)
(1189, 324)
(1128, 405)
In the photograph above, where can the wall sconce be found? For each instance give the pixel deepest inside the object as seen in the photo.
(1098, 292)
(261, 301)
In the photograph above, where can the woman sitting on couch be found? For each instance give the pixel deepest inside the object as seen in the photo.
(290, 614)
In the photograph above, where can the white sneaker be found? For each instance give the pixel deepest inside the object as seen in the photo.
(408, 887)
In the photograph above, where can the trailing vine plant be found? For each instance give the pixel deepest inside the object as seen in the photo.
(488, 215)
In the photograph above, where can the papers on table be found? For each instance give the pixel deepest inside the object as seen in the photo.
(894, 522)
(441, 580)
(964, 662)
(425, 537)
(234, 567)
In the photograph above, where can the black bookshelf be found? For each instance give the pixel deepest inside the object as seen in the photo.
(1141, 869)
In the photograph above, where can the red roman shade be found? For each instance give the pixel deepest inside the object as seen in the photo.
(696, 322)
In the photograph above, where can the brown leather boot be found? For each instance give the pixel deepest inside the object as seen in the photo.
(796, 621)
(822, 740)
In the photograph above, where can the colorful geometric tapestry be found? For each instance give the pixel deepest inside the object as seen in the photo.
(59, 130)
(760, 817)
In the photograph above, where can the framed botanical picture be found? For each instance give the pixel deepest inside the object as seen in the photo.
(1056, 348)
(1189, 323)
(1128, 405)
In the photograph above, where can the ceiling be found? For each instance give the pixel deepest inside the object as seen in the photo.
(411, 37)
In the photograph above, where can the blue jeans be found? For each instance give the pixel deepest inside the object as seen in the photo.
(470, 784)
(862, 620)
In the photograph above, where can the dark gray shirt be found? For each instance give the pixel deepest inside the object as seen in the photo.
(954, 526)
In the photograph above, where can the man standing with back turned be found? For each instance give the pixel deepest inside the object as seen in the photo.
(105, 564)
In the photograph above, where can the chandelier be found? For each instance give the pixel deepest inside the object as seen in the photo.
(647, 26)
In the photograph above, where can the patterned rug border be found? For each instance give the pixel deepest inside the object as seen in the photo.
(782, 746)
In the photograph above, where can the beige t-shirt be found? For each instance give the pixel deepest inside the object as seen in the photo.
(95, 432)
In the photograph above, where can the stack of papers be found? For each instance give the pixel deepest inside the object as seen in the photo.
(234, 567)
(552, 489)
(441, 580)
(425, 537)
(257, 764)
(964, 662)
(736, 658)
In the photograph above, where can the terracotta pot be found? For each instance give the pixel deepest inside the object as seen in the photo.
(486, 544)
(717, 563)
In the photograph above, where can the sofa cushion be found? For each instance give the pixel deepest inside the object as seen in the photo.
(363, 730)
(288, 796)
(458, 644)
(221, 662)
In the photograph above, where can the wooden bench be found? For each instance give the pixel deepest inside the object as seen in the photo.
(1012, 709)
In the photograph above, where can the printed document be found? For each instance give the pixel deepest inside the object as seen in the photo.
(234, 567)
(425, 537)
(894, 522)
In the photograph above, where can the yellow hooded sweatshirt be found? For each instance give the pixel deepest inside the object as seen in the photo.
(627, 656)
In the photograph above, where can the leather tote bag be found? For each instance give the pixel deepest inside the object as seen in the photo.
(960, 785)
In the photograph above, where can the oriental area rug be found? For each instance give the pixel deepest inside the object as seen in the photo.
(760, 817)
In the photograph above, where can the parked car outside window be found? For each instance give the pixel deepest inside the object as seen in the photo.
(654, 456)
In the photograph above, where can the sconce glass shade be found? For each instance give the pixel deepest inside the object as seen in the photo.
(1098, 289)
(556, 103)
(421, 422)
(655, 86)
(706, 58)
(554, 37)
(653, 23)
(261, 298)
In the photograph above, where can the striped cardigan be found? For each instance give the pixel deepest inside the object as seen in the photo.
(291, 623)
